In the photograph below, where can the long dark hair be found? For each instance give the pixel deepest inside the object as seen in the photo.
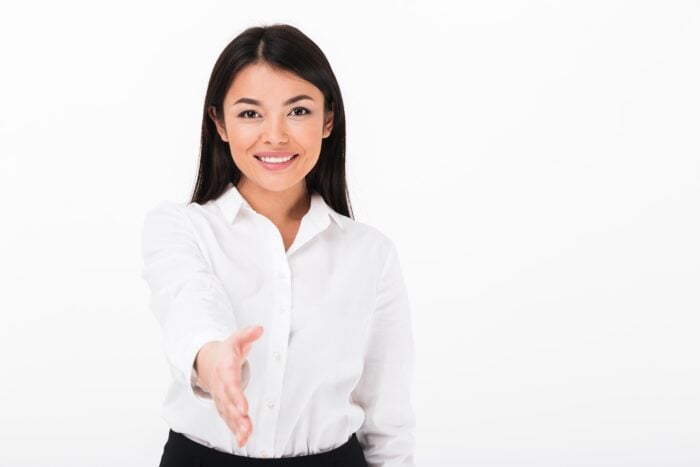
(287, 48)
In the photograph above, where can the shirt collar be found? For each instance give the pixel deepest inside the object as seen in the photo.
(231, 201)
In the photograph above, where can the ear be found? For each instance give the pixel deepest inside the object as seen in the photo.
(328, 124)
(211, 111)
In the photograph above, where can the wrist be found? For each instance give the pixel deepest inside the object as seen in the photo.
(202, 364)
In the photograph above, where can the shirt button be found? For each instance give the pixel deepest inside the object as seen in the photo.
(263, 453)
(282, 275)
(270, 405)
(283, 309)
(276, 355)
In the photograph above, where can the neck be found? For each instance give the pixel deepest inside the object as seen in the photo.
(279, 206)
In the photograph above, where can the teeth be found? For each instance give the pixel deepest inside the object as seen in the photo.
(274, 160)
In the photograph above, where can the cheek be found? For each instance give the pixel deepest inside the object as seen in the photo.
(242, 135)
(309, 134)
(242, 141)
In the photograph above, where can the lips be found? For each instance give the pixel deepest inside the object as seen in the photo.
(274, 154)
(277, 163)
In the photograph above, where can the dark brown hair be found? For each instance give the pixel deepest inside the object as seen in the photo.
(286, 48)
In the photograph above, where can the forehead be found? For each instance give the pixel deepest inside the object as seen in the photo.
(263, 82)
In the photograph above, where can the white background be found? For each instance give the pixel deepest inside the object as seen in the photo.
(536, 163)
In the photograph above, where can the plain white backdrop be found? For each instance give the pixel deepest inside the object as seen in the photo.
(536, 163)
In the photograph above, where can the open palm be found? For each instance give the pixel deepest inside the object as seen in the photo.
(224, 371)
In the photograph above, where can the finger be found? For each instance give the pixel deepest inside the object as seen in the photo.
(244, 349)
(245, 437)
(246, 430)
(250, 334)
(239, 425)
(238, 334)
(241, 436)
(235, 396)
(228, 414)
(243, 342)
(232, 391)
(238, 404)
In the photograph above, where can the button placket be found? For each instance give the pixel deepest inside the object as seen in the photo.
(284, 288)
(279, 337)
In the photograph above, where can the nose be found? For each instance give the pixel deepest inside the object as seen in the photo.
(275, 131)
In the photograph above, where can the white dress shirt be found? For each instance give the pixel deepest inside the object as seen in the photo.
(336, 355)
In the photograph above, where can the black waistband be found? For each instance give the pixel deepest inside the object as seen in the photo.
(349, 454)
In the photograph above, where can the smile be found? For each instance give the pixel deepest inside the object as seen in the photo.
(276, 163)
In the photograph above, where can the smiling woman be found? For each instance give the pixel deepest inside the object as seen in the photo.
(272, 94)
(285, 322)
(275, 140)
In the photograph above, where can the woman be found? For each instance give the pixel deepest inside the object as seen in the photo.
(285, 322)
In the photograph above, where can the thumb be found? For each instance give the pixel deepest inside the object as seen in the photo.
(252, 333)
(246, 338)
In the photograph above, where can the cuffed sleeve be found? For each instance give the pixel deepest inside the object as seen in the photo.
(384, 389)
(187, 298)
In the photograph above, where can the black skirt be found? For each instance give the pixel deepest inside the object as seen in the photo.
(180, 451)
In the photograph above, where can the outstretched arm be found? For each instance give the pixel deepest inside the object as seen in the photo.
(187, 298)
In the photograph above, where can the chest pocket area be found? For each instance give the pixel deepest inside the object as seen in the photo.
(336, 327)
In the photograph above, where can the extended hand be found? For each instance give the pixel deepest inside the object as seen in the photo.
(220, 372)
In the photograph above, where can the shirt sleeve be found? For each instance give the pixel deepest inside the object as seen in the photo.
(384, 389)
(187, 298)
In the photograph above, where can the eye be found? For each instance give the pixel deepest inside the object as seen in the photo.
(301, 108)
(245, 112)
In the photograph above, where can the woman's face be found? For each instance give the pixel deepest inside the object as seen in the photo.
(260, 117)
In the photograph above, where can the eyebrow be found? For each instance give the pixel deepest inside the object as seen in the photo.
(248, 100)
